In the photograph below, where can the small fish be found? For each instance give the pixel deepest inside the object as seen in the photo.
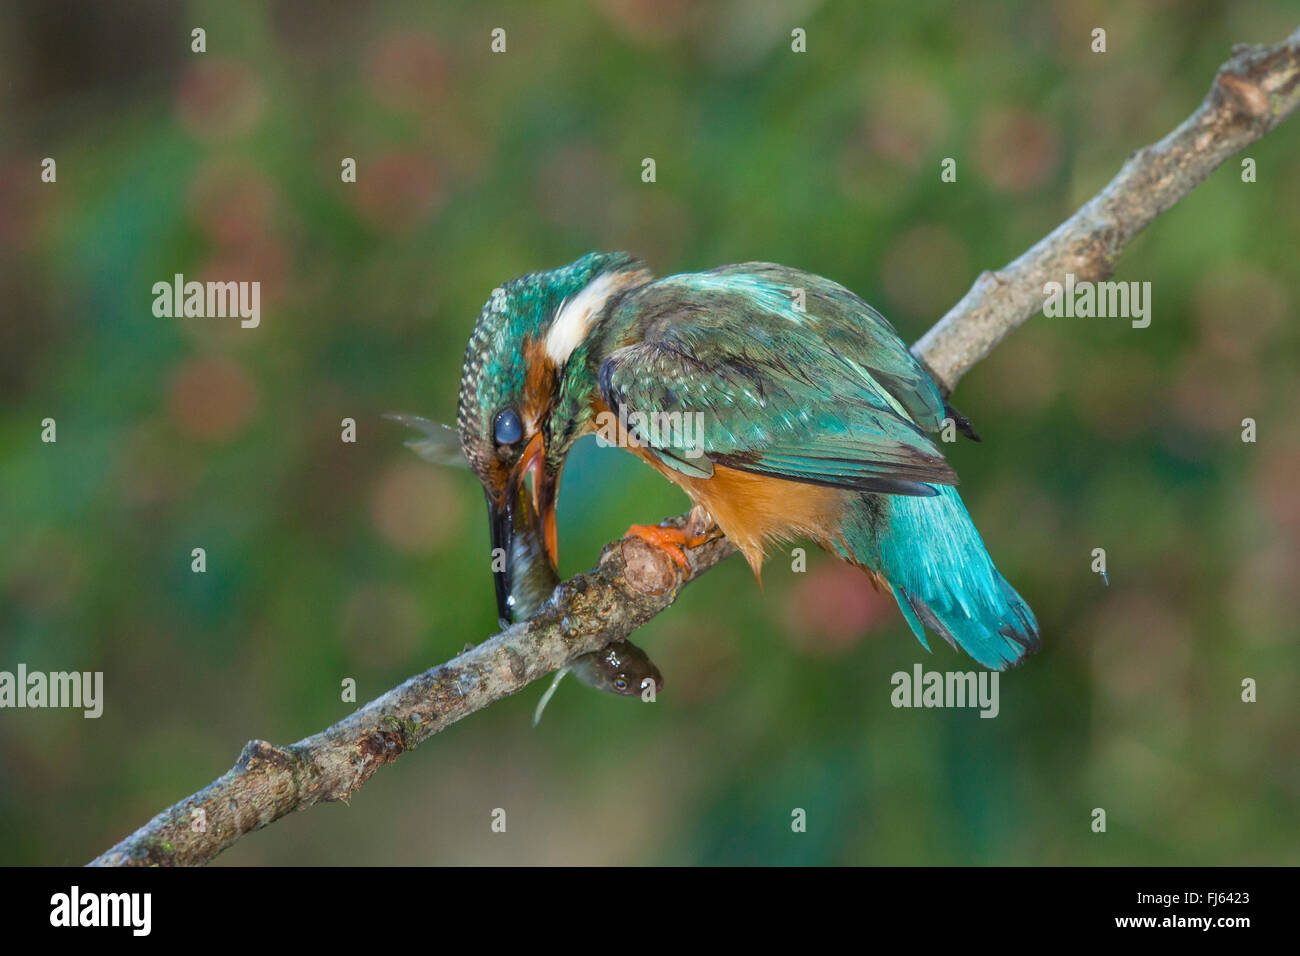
(618, 668)
(531, 580)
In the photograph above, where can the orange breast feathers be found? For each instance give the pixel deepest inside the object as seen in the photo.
(755, 511)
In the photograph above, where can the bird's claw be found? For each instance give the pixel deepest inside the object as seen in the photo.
(700, 525)
(670, 540)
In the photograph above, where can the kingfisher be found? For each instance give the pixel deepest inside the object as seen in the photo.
(783, 404)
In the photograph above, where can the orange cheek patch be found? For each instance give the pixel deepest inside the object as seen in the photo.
(541, 380)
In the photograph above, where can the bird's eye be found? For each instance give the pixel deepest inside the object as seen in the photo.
(620, 683)
(508, 429)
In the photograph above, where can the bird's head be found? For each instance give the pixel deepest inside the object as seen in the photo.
(525, 394)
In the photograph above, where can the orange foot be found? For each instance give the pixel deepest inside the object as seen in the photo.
(672, 541)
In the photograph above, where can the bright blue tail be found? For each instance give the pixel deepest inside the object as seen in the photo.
(942, 576)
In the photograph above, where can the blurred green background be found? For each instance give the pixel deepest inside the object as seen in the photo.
(329, 560)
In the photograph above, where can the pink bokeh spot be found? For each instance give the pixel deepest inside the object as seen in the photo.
(397, 191)
(832, 607)
(211, 398)
(219, 99)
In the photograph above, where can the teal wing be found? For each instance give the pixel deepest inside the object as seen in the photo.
(729, 371)
(851, 328)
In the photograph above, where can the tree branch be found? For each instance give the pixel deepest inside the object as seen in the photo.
(1252, 93)
(631, 584)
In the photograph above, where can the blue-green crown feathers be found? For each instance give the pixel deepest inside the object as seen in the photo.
(517, 312)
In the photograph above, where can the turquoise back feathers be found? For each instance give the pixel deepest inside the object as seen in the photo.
(790, 375)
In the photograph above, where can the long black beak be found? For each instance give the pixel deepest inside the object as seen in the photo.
(522, 523)
(501, 518)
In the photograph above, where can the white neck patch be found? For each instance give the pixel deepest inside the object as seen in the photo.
(577, 314)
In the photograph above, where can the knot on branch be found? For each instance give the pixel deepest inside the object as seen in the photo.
(258, 756)
(1241, 97)
(386, 743)
(1259, 84)
(1093, 254)
(647, 569)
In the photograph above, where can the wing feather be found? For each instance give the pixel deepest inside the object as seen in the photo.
(829, 395)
